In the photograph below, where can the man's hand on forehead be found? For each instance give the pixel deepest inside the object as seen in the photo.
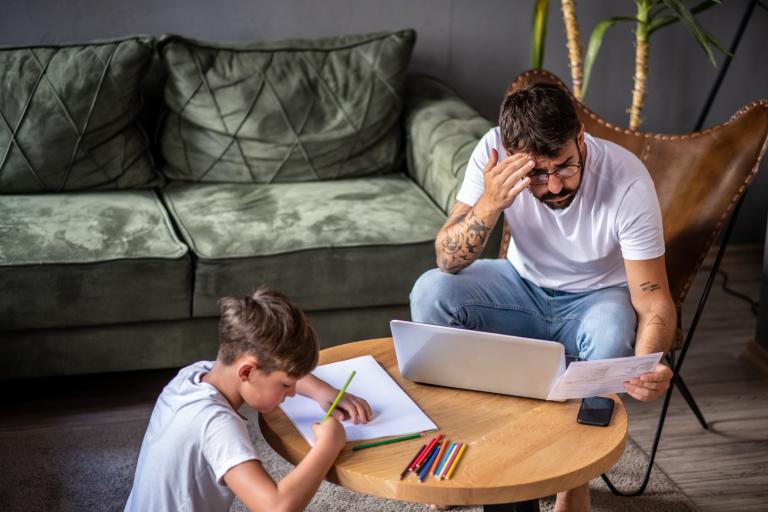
(504, 180)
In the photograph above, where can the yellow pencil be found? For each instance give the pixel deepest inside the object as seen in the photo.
(456, 462)
(338, 397)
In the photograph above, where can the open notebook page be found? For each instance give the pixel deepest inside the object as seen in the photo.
(394, 413)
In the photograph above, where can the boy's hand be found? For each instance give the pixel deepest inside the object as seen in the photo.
(330, 431)
(350, 407)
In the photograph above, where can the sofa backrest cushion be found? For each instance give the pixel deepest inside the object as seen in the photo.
(68, 117)
(285, 111)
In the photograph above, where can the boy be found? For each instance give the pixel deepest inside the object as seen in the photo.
(197, 454)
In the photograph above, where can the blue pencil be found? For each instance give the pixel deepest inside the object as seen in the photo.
(445, 458)
(429, 462)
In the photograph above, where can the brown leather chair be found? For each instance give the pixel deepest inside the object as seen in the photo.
(700, 179)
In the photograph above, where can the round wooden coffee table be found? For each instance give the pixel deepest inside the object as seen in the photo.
(518, 448)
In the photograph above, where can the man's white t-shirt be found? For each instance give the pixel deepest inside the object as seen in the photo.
(194, 437)
(614, 216)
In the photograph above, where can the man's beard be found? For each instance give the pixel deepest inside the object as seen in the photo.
(565, 192)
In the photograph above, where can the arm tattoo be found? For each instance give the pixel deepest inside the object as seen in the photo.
(656, 320)
(649, 286)
(463, 241)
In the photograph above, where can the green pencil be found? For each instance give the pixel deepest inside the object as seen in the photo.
(386, 441)
(338, 397)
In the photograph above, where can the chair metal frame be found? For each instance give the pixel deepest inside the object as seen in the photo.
(677, 379)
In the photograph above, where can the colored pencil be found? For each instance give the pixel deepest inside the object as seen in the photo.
(446, 454)
(418, 455)
(451, 461)
(432, 457)
(386, 441)
(426, 460)
(456, 462)
(405, 471)
(425, 453)
(338, 397)
(439, 457)
(448, 463)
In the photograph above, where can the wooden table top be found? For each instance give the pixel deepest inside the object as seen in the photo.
(518, 448)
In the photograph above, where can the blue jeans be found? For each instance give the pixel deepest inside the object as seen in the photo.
(489, 295)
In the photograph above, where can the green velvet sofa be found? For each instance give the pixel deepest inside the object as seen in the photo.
(318, 167)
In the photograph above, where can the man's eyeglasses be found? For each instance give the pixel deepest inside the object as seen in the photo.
(542, 177)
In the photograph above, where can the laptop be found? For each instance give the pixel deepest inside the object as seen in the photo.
(480, 361)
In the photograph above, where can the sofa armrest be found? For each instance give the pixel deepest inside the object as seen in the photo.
(441, 131)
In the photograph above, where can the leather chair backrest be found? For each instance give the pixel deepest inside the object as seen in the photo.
(699, 176)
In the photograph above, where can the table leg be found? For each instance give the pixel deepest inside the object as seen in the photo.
(521, 506)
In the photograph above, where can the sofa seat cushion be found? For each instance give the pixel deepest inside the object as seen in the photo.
(89, 258)
(328, 245)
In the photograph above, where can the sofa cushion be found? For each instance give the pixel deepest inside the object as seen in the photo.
(68, 117)
(330, 244)
(75, 259)
(294, 110)
(441, 131)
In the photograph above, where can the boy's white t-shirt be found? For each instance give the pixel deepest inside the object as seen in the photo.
(614, 216)
(194, 437)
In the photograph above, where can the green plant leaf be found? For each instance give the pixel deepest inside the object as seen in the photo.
(690, 23)
(714, 42)
(658, 22)
(540, 11)
(664, 21)
(595, 41)
(657, 10)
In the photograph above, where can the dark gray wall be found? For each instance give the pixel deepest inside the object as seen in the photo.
(476, 46)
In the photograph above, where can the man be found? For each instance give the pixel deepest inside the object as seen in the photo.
(585, 264)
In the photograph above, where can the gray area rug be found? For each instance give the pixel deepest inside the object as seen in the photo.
(90, 468)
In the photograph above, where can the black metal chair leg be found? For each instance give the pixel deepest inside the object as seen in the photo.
(707, 287)
(683, 388)
(652, 456)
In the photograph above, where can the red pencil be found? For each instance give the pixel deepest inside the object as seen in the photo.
(424, 453)
(405, 471)
(413, 462)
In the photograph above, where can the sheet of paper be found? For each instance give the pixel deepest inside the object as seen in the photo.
(583, 379)
(394, 413)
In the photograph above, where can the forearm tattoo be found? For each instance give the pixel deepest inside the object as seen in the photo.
(657, 320)
(462, 242)
(649, 286)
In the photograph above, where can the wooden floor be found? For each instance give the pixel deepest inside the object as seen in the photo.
(723, 469)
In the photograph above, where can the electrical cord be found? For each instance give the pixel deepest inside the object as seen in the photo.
(753, 304)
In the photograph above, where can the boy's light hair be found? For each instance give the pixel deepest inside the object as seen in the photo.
(270, 327)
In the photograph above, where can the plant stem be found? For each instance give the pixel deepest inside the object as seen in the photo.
(641, 65)
(573, 37)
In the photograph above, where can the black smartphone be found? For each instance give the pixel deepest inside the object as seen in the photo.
(595, 411)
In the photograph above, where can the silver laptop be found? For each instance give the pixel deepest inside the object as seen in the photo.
(481, 361)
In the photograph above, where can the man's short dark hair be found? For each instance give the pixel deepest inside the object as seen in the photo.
(270, 327)
(539, 119)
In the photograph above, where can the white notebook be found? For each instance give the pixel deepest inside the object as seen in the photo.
(394, 413)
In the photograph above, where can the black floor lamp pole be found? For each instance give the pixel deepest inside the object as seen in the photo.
(726, 63)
